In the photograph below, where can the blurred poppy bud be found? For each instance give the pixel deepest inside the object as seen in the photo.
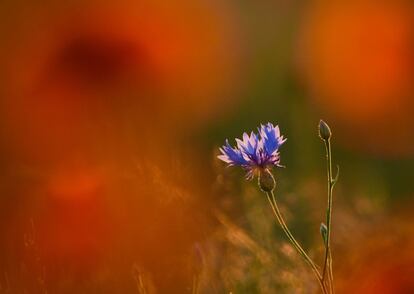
(197, 258)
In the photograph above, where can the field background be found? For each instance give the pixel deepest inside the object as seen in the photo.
(112, 113)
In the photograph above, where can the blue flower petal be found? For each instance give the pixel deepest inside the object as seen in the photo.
(248, 146)
(270, 135)
(254, 151)
(230, 155)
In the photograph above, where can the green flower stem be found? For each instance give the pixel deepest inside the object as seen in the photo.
(327, 266)
(276, 211)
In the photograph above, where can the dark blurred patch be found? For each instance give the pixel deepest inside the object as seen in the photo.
(97, 59)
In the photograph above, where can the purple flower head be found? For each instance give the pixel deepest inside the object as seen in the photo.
(255, 152)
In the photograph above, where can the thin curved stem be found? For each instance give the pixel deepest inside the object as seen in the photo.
(279, 217)
(327, 266)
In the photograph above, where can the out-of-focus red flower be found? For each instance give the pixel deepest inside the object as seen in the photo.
(70, 214)
(95, 71)
(90, 90)
(358, 60)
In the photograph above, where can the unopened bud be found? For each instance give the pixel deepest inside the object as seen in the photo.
(266, 181)
(324, 233)
(324, 130)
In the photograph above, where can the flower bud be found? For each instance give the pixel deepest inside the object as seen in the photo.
(266, 181)
(324, 233)
(324, 130)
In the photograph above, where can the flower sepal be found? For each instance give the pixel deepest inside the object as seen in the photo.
(266, 181)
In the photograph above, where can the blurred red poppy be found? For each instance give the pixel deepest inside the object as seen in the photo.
(89, 73)
(91, 90)
(358, 60)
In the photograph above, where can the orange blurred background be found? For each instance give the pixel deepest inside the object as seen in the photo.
(358, 60)
(110, 119)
